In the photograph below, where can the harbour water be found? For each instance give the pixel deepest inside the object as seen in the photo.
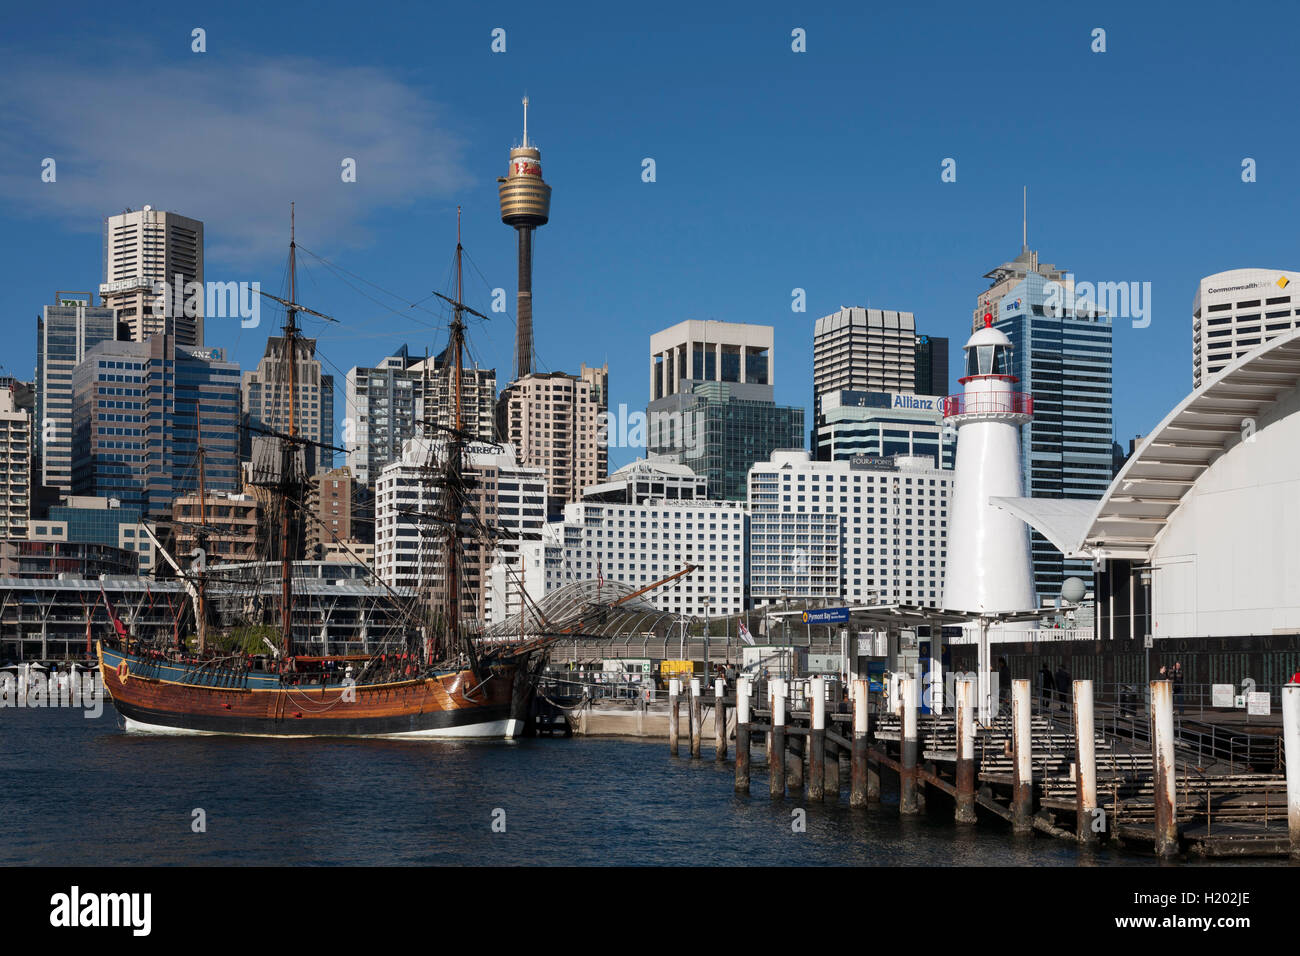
(83, 792)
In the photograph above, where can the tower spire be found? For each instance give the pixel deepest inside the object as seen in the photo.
(1024, 215)
(525, 122)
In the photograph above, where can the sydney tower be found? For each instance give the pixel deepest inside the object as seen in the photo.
(525, 205)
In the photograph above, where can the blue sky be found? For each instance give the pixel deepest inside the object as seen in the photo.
(775, 169)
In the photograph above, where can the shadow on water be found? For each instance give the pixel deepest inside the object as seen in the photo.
(85, 792)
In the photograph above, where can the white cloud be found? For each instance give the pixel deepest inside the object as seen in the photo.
(228, 144)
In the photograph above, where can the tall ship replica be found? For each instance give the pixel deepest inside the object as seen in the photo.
(432, 677)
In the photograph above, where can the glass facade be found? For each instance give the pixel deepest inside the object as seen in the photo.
(64, 333)
(1066, 451)
(137, 414)
(720, 429)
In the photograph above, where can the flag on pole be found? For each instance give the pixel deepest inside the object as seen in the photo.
(744, 634)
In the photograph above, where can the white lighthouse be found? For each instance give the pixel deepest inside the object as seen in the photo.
(988, 567)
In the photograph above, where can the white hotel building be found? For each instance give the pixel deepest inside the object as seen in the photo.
(866, 530)
(639, 540)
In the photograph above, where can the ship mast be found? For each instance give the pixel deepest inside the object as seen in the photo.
(201, 625)
(452, 479)
(288, 450)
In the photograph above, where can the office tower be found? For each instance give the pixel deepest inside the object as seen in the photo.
(553, 421)
(146, 247)
(65, 331)
(860, 532)
(504, 494)
(15, 466)
(865, 350)
(931, 365)
(1063, 358)
(525, 205)
(266, 400)
(391, 403)
(1237, 310)
(866, 361)
(712, 402)
(138, 411)
(881, 425)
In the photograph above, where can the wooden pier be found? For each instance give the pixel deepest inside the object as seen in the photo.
(1040, 770)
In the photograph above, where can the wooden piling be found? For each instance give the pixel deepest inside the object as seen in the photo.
(1162, 760)
(1022, 788)
(674, 712)
(858, 765)
(697, 718)
(1291, 743)
(907, 802)
(776, 766)
(796, 753)
(965, 712)
(742, 735)
(1085, 763)
(720, 720)
(817, 739)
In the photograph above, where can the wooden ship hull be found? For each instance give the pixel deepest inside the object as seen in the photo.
(161, 696)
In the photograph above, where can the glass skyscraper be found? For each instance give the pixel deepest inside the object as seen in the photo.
(1065, 362)
(64, 333)
(720, 429)
(138, 411)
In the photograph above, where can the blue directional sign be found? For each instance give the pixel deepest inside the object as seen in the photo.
(827, 615)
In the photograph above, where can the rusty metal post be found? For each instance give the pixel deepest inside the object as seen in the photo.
(1162, 759)
(965, 713)
(1022, 787)
(674, 712)
(858, 766)
(776, 766)
(817, 739)
(720, 720)
(907, 802)
(1291, 743)
(742, 735)
(1085, 763)
(697, 718)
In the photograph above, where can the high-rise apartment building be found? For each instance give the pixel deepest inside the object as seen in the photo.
(142, 249)
(553, 420)
(65, 331)
(1062, 356)
(265, 393)
(231, 526)
(1237, 310)
(393, 402)
(331, 496)
(15, 466)
(712, 402)
(139, 409)
(852, 531)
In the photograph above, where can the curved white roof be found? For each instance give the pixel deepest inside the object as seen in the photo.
(1150, 487)
(653, 466)
(987, 336)
(1152, 483)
